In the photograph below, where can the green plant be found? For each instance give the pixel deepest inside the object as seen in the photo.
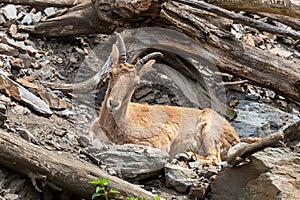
(102, 189)
(135, 198)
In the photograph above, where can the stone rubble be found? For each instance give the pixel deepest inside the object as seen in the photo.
(265, 119)
(272, 174)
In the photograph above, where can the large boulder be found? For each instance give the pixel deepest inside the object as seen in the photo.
(272, 174)
(259, 119)
(129, 161)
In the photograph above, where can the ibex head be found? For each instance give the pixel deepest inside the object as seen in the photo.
(124, 77)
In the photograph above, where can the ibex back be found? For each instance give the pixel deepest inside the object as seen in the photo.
(172, 129)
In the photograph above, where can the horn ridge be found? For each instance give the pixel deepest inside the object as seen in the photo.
(122, 50)
(148, 57)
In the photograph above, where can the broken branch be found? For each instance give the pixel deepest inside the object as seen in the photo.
(242, 19)
(239, 152)
(58, 170)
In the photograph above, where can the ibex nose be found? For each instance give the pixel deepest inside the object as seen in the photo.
(112, 105)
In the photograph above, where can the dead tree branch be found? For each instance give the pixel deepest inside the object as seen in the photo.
(283, 7)
(60, 171)
(238, 153)
(46, 3)
(242, 19)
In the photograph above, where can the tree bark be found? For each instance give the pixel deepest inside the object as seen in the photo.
(47, 3)
(282, 7)
(58, 171)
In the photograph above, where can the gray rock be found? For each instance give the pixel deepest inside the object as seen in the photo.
(27, 60)
(198, 191)
(27, 19)
(179, 178)
(272, 174)
(49, 11)
(163, 100)
(84, 140)
(148, 98)
(36, 17)
(141, 92)
(238, 27)
(196, 165)
(129, 161)
(10, 11)
(20, 93)
(67, 113)
(16, 186)
(25, 134)
(259, 119)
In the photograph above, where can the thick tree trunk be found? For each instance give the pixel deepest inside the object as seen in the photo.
(58, 171)
(47, 3)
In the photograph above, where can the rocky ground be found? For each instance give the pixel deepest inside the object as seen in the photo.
(29, 62)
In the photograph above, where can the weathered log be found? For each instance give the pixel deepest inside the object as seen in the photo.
(282, 7)
(47, 3)
(241, 19)
(289, 21)
(58, 171)
(80, 19)
(238, 153)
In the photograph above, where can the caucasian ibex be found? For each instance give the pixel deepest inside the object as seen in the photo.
(172, 129)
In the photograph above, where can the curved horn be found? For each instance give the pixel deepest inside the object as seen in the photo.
(120, 40)
(146, 58)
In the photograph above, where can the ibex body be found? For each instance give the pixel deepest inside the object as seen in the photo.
(172, 129)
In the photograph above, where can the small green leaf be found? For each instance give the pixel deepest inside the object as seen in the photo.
(157, 198)
(105, 182)
(95, 195)
(99, 188)
(113, 191)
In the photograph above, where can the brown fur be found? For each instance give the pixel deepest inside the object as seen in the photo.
(172, 129)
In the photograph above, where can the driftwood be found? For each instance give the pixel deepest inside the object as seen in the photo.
(47, 3)
(237, 154)
(58, 171)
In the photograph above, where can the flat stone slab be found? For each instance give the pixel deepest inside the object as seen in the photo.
(129, 161)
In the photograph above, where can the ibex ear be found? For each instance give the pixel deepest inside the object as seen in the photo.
(115, 54)
(146, 68)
